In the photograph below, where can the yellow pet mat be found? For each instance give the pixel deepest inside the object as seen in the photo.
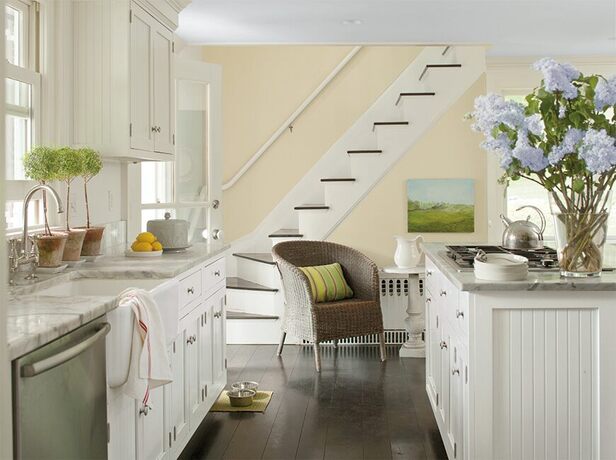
(259, 403)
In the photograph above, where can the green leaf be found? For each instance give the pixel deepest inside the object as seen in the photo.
(578, 185)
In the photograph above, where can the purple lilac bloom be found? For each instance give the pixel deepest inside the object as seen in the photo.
(569, 144)
(529, 156)
(598, 151)
(492, 109)
(558, 77)
(534, 124)
(605, 93)
(500, 145)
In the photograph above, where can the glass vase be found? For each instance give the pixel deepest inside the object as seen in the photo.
(580, 228)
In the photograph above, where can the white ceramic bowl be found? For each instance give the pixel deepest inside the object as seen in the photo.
(502, 267)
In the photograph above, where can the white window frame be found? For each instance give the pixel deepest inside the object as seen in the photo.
(16, 189)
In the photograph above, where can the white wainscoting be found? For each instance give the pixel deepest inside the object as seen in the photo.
(546, 378)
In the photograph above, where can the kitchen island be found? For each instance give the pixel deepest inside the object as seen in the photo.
(522, 369)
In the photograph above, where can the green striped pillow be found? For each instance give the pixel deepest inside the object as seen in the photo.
(327, 283)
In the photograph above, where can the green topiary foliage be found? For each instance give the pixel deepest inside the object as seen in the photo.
(42, 164)
(91, 165)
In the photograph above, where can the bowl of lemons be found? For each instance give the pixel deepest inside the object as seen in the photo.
(145, 245)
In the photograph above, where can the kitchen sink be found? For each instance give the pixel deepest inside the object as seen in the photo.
(99, 287)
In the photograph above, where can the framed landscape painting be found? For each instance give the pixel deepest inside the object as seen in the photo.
(441, 205)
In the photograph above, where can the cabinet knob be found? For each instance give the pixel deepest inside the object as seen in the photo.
(217, 273)
(459, 314)
(443, 344)
(144, 410)
(428, 272)
(443, 293)
(190, 290)
(428, 299)
(455, 372)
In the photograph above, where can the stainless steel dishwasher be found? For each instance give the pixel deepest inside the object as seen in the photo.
(59, 397)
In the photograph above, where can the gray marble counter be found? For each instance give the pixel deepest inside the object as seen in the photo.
(34, 320)
(536, 281)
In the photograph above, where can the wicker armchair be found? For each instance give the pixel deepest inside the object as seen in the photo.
(319, 322)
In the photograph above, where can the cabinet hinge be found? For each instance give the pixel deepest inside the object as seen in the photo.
(170, 439)
(130, 130)
(173, 347)
(437, 321)
(206, 391)
(205, 318)
(108, 433)
(466, 373)
(174, 139)
(130, 16)
(174, 433)
(173, 47)
(225, 363)
(455, 450)
(437, 399)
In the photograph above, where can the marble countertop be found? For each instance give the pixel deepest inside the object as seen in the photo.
(536, 281)
(34, 320)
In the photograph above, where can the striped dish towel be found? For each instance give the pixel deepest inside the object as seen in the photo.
(149, 362)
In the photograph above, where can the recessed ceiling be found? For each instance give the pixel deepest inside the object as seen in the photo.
(513, 28)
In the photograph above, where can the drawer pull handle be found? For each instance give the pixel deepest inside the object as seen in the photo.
(443, 292)
(455, 372)
(190, 290)
(217, 273)
(443, 344)
(459, 314)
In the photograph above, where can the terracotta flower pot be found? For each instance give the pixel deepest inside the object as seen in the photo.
(51, 249)
(92, 241)
(74, 244)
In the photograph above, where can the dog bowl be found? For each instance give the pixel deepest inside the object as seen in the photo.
(245, 386)
(241, 398)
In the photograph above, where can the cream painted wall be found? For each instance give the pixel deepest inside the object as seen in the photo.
(449, 150)
(262, 86)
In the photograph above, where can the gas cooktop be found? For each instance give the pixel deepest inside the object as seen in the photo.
(544, 259)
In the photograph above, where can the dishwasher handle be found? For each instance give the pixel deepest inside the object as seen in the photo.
(33, 369)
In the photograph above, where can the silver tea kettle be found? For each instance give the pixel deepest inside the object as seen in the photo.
(523, 234)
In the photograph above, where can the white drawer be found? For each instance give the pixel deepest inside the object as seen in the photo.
(190, 289)
(213, 275)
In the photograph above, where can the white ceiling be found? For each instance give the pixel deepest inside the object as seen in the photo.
(513, 28)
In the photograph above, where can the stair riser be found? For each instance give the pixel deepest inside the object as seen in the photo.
(275, 241)
(253, 331)
(339, 194)
(262, 303)
(258, 273)
(310, 223)
(414, 107)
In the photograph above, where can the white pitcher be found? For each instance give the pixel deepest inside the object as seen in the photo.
(409, 252)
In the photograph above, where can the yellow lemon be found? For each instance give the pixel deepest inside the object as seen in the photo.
(156, 246)
(141, 246)
(146, 237)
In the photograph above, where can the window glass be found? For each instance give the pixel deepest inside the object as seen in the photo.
(15, 45)
(18, 127)
(156, 182)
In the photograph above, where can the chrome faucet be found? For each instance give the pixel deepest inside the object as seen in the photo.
(23, 257)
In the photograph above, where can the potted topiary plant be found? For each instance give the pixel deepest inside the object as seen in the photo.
(41, 164)
(91, 165)
(70, 167)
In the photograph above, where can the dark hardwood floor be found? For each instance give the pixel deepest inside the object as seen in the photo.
(357, 408)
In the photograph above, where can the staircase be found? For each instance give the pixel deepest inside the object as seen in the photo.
(341, 178)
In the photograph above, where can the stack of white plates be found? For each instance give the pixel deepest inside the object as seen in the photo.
(501, 267)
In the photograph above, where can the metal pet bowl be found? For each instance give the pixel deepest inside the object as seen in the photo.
(245, 386)
(241, 398)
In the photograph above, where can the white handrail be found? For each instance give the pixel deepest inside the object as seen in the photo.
(289, 121)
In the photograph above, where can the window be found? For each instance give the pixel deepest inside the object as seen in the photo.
(524, 192)
(22, 105)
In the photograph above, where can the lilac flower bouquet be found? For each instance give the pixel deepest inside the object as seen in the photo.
(563, 138)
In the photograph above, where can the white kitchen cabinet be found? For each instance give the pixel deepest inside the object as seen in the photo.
(198, 367)
(152, 442)
(176, 396)
(123, 73)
